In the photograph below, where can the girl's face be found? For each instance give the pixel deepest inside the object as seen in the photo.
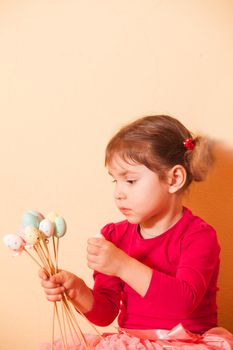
(139, 193)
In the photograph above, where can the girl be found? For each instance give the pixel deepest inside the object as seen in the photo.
(158, 268)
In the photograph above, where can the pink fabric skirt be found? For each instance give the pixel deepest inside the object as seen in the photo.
(128, 339)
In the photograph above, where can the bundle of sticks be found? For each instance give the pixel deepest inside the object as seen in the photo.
(34, 239)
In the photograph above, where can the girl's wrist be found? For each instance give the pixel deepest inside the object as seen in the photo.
(83, 298)
(125, 267)
(136, 275)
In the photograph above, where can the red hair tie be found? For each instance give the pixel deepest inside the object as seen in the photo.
(189, 144)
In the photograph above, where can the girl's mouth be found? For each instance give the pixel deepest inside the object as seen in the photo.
(124, 210)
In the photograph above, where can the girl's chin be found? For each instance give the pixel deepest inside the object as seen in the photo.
(132, 220)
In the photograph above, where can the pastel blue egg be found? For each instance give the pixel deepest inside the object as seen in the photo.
(29, 219)
(60, 227)
(36, 213)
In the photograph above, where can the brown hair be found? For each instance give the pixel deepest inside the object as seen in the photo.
(157, 142)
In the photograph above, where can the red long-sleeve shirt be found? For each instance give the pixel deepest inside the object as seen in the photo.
(185, 263)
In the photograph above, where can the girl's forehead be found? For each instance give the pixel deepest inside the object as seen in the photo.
(120, 165)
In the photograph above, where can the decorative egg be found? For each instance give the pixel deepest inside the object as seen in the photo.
(60, 227)
(52, 216)
(47, 227)
(36, 213)
(13, 241)
(30, 219)
(31, 235)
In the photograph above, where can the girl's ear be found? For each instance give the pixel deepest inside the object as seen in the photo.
(176, 178)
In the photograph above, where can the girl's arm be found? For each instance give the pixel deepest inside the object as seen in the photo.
(136, 275)
(75, 288)
(103, 256)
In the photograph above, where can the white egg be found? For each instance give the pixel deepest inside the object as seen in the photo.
(13, 241)
(47, 227)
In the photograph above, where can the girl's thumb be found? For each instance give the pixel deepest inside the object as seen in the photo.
(43, 274)
(59, 277)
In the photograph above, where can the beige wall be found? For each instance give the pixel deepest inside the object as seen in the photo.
(71, 73)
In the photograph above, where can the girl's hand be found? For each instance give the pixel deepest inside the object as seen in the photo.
(103, 256)
(62, 282)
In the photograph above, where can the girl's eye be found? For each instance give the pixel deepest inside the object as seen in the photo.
(114, 181)
(131, 181)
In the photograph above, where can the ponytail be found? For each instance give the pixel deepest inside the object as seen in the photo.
(200, 160)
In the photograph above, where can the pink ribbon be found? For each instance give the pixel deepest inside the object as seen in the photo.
(178, 333)
(218, 337)
(177, 338)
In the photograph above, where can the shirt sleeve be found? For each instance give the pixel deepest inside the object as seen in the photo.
(106, 292)
(107, 295)
(198, 262)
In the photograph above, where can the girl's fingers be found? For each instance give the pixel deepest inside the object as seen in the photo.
(47, 284)
(54, 291)
(98, 246)
(92, 258)
(60, 278)
(43, 274)
(98, 242)
(55, 286)
(54, 298)
(93, 250)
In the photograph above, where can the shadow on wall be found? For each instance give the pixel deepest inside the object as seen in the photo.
(213, 201)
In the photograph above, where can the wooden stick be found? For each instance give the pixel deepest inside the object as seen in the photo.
(54, 250)
(32, 257)
(63, 322)
(64, 343)
(69, 324)
(53, 327)
(42, 259)
(91, 324)
(56, 263)
(48, 255)
(71, 316)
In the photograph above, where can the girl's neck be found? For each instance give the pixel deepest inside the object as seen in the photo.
(157, 226)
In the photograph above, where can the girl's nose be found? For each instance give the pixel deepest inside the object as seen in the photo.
(119, 194)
